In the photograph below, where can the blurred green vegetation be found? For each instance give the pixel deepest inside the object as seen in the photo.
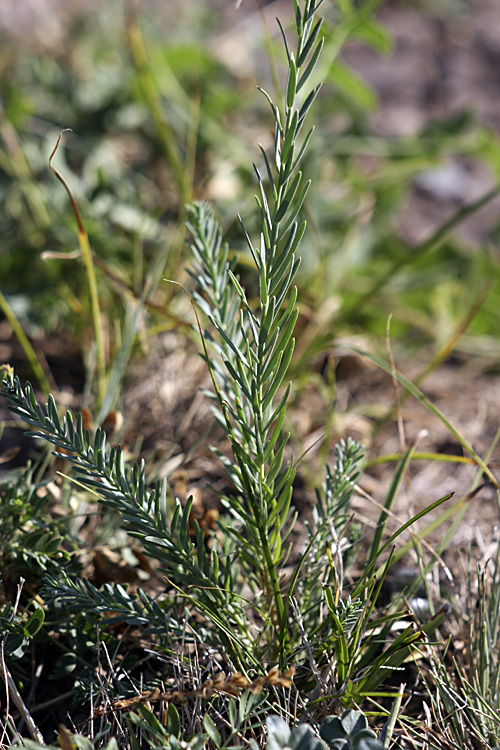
(159, 118)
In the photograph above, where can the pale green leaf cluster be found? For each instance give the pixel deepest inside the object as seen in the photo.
(253, 340)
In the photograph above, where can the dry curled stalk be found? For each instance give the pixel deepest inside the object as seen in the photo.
(231, 685)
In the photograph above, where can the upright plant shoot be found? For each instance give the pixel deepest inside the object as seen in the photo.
(254, 341)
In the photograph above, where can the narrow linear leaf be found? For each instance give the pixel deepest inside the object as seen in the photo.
(311, 65)
(295, 210)
(307, 47)
(278, 378)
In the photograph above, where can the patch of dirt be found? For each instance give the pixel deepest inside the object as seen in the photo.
(471, 402)
(162, 408)
(445, 62)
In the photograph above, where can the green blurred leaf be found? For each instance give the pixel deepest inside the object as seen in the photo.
(375, 34)
(345, 80)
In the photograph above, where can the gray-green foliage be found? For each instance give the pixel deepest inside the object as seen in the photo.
(208, 582)
(347, 732)
(236, 587)
(253, 342)
(165, 536)
(301, 737)
(31, 541)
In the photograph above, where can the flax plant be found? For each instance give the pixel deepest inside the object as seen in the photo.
(253, 341)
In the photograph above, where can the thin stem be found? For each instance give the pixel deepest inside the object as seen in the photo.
(91, 279)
